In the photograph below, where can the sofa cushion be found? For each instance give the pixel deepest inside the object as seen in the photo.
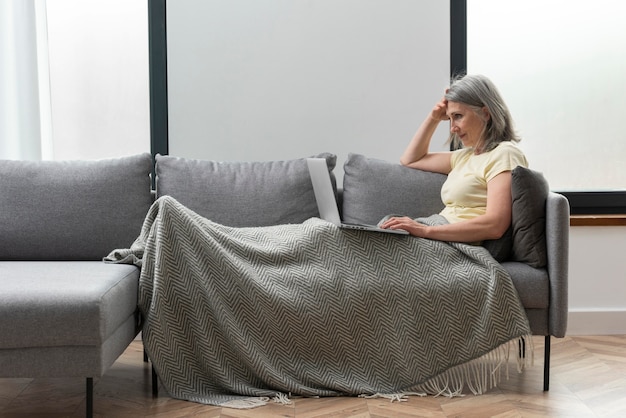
(529, 191)
(72, 210)
(241, 194)
(532, 284)
(375, 188)
(42, 306)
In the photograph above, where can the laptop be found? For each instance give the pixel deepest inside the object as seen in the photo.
(326, 202)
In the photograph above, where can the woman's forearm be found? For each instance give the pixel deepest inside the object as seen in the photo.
(481, 228)
(420, 144)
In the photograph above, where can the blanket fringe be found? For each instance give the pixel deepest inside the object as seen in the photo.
(398, 397)
(247, 403)
(484, 373)
(250, 403)
(479, 375)
(282, 399)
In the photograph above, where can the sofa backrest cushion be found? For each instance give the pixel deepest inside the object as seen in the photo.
(529, 190)
(374, 188)
(241, 194)
(72, 210)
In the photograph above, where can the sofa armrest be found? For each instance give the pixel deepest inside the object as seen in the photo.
(557, 241)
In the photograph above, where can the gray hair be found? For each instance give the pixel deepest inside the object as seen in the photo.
(477, 91)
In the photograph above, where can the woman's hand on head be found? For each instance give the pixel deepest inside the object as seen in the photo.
(411, 226)
(440, 110)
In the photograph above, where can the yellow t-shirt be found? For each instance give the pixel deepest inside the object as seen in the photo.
(465, 191)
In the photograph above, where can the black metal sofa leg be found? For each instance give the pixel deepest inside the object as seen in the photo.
(155, 378)
(89, 401)
(546, 365)
(155, 383)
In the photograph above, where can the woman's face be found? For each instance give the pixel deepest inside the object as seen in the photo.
(466, 123)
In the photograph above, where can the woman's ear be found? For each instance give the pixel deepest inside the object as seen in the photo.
(486, 114)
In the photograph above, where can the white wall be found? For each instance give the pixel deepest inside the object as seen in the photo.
(597, 280)
(280, 79)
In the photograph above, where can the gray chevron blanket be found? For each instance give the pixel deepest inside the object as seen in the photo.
(236, 315)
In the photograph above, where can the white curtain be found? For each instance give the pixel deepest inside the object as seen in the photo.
(24, 86)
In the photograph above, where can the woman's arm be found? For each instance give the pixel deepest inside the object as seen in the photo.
(492, 225)
(417, 153)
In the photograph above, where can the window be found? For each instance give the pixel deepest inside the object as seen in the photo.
(560, 66)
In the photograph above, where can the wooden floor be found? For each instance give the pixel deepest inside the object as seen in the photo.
(588, 379)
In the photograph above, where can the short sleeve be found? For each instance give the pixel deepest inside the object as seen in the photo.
(459, 154)
(505, 157)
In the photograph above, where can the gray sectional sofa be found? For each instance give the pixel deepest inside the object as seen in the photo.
(64, 313)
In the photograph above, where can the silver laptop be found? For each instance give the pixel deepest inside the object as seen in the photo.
(326, 202)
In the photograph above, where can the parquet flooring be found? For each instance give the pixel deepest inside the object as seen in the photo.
(588, 379)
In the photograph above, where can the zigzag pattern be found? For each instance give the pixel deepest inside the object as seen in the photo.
(312, 310)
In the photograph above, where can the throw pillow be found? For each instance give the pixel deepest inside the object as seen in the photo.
(529, 191)
(500, 248)
(374, 188)
(241, 194)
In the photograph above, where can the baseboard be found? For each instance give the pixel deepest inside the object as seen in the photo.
(596, 322)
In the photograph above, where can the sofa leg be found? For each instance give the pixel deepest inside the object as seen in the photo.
(546, 365)
(89, 409)
(155, 377)
(155, 383)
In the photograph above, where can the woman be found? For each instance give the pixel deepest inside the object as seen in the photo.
(477, 193)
